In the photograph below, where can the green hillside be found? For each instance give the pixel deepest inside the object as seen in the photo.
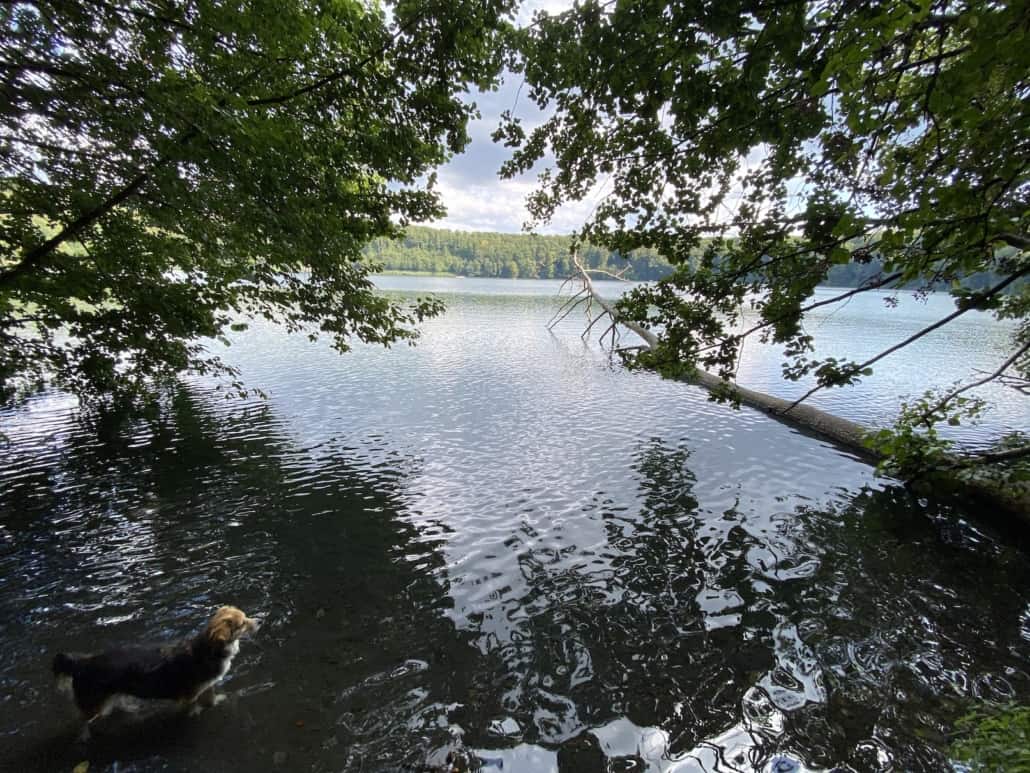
(530, 256)
(440, 251)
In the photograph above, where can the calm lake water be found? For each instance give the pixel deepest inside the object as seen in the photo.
(498, 545)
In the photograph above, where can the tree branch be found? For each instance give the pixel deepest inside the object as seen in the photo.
(1013, 240)
(915, 337)
(38, 254)
(571, 304)
(990, 457)
(337, 74)
(588, 286)
(940, 404)
(805, 309)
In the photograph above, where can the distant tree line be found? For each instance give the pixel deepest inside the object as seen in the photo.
(531, 256)
(528, 256)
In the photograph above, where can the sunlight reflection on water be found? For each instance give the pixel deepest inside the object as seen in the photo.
(495, 545)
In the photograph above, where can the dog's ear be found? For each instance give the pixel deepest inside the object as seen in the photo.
(219, 632)
(221, 629)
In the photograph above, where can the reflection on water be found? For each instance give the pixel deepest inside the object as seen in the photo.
(140, 534)
(497, 549)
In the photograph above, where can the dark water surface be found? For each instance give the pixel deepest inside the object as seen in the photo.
(499, 545)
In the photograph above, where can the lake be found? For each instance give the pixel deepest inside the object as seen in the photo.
(500, 546)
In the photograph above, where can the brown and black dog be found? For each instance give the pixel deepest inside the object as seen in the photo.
(186, 671)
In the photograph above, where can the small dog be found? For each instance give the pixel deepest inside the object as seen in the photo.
(186, 671)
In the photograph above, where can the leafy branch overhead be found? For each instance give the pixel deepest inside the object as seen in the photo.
(171, 169)
(779, 140)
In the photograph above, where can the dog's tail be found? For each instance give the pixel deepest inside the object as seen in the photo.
(65, 665)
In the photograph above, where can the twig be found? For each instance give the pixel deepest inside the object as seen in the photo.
(914, 337)
(593, 322)
(619, 275)
(979, 382)
(990, 457)
(561, 308)
(570, 309)
(804, 309)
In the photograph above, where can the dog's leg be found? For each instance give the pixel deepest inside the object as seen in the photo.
(101, 711)
(205, 699)
(209, 698)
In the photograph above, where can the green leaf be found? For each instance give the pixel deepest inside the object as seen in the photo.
(207, 165)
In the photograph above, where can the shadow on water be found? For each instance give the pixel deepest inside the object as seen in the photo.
(138, 532)
(657, 634)
(913, 613)
(635, 652)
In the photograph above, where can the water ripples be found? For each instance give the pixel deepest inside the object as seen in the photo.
(496, 546)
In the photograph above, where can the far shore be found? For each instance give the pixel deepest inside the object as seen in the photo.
(448, 275)
(391, 272)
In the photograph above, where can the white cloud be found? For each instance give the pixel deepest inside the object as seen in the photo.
(529, 8)
(499, 205)
(475, 197)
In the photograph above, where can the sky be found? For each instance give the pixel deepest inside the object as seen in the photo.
(475, 197)
(478, 200)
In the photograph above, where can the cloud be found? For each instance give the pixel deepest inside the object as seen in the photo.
(499, 205)
(478, 200)
(475, 197)
(528, 9)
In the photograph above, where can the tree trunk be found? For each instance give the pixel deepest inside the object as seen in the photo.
(1014, 499)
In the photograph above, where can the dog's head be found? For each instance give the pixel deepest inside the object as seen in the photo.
(228, 624)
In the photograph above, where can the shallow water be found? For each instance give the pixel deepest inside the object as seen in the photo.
(494, 545)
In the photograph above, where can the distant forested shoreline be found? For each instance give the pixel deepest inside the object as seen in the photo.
(485, 254)
(425, 250)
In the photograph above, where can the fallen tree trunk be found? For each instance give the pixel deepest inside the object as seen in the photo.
(1014, 499)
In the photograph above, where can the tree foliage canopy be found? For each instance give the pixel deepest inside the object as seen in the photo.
(172, 168)
(787, 138)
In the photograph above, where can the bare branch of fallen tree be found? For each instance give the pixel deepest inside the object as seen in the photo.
(582, 275)
(568, 307)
